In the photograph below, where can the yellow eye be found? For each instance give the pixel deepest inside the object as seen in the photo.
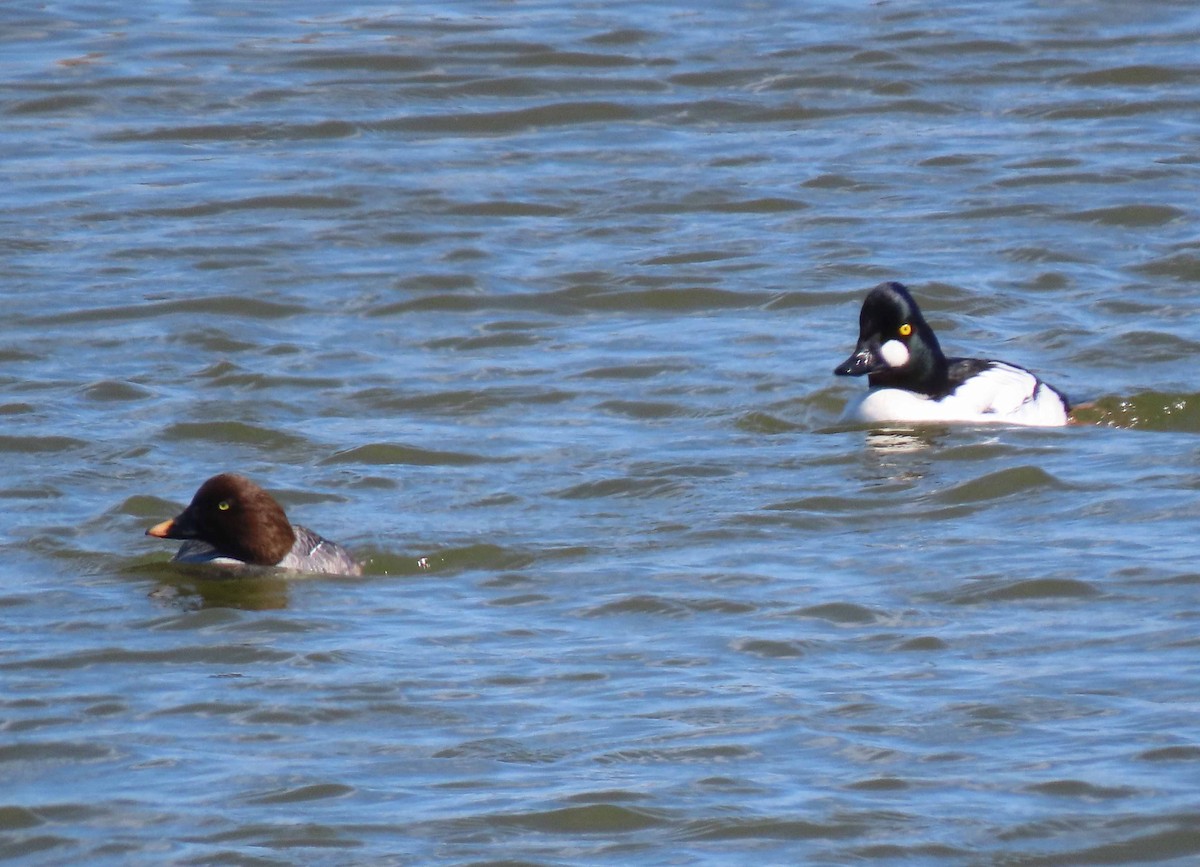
(223, 505)
(905, 330)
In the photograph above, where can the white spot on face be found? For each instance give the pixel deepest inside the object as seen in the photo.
(894, 353)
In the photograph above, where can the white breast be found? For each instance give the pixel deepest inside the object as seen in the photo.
(195, 551)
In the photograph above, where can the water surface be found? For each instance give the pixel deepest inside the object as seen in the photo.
(551, 295)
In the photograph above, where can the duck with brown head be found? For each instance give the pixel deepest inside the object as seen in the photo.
(231, 521)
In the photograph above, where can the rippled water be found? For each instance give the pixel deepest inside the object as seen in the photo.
(551, 295)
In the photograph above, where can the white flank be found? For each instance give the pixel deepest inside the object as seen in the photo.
(1002, 394)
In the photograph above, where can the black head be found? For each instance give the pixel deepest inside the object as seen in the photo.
(896, 347)
(237, 517)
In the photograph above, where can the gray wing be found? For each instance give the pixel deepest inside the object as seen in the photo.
(313, 553)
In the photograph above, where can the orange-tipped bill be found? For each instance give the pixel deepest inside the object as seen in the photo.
(165, 530)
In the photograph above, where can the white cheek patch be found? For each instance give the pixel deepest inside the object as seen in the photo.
(894, 353)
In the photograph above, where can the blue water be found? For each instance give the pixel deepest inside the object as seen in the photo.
(551, 296)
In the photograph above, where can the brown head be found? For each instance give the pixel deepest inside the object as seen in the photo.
(237, 517)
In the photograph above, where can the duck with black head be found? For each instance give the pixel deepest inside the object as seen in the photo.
(911, 380)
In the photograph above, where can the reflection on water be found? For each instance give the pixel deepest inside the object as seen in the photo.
(899, 455)
(890, 441)
(194, 587)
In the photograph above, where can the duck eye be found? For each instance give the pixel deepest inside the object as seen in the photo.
(905, 330)
(223, 505)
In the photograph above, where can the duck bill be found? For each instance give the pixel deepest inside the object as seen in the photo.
(179, 527)
(165, 530)
(864, 360)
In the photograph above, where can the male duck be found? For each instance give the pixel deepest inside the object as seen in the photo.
(912, 381)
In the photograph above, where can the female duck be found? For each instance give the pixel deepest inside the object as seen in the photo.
(912, 381)
(233, 522)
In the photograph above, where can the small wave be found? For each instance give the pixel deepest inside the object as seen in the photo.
(750, 828)
(672, 607)
(1023, 591)
(1002, 483)
(1069, 788)
(216, 305)
(841, 613)
(227, 132)
(227, 432)
(1145, 75)
(1151, 410)
(39, 444)
(483, 556)
(511, 121)
(235, 655)
(391, 454)
(1129, 216)
(590, 819)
